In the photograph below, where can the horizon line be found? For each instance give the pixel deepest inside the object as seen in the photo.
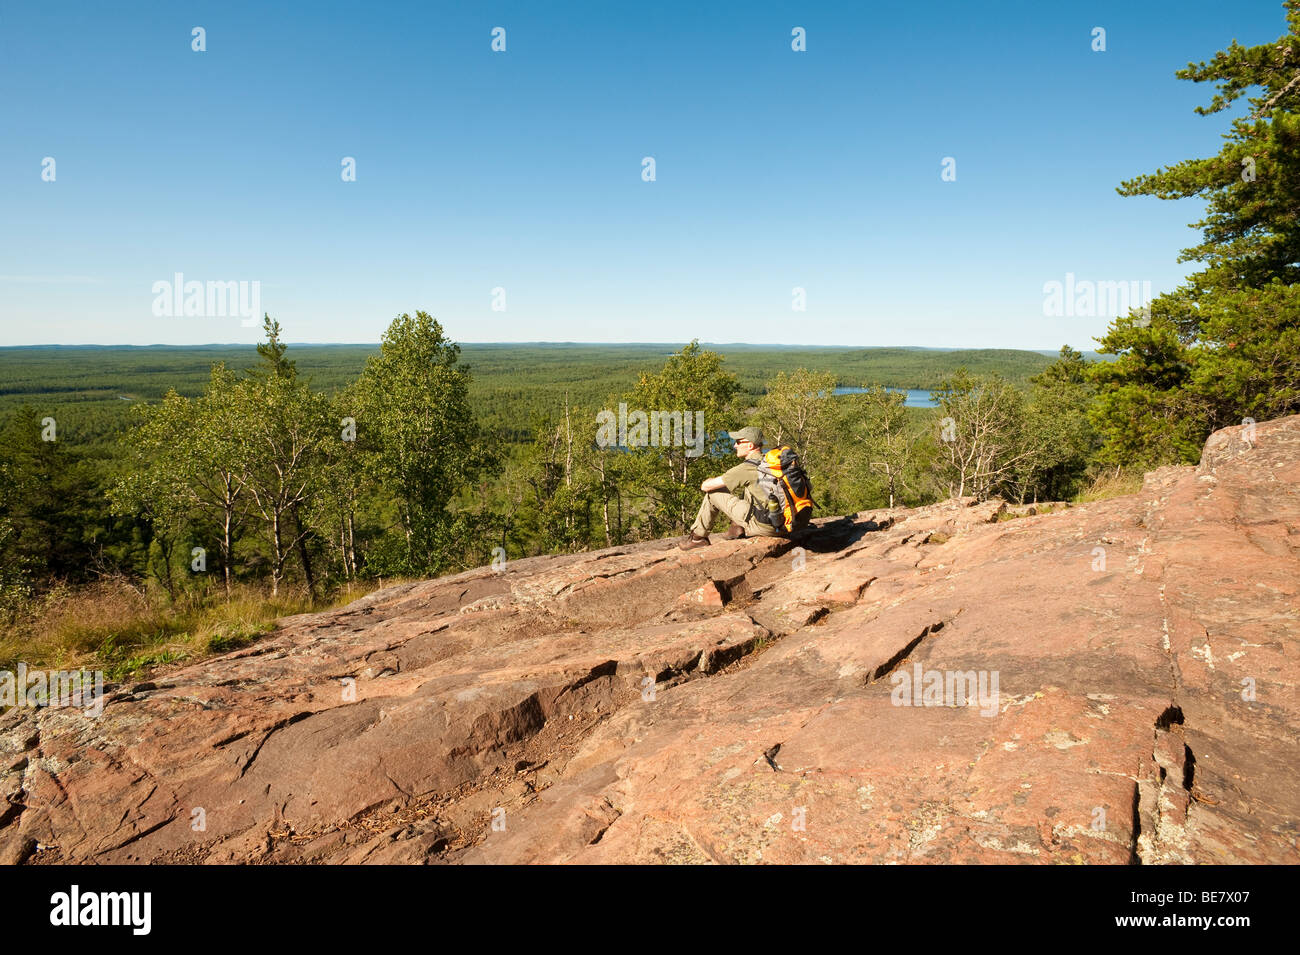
(376, 344)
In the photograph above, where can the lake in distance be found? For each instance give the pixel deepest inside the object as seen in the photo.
(916, 398)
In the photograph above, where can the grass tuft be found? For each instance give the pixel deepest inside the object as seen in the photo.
(113, 626)
(1110, 484)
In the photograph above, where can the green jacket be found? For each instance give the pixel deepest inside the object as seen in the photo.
(742, 480)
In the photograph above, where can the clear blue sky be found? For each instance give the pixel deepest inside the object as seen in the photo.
(522, 169)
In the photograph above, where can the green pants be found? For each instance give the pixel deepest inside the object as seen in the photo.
(737, 508)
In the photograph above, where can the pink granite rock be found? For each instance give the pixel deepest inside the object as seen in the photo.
(1113, 682)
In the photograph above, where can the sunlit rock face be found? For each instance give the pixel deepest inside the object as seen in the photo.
(1112, 682)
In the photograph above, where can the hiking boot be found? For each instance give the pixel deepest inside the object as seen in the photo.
(734, 532)
(690, 541)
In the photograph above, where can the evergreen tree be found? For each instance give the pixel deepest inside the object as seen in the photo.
(51, 497)
(1221, 348)
(272, 351)
(1250, 234)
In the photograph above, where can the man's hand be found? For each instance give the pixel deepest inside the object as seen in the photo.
(713, 484)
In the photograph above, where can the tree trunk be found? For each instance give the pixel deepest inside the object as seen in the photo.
(277, 566)
(604, 502)
(303, 555)
(568, 475)
(568, 445)
(227, 549)
(166, 549)
(406, 528)
(352, 548)
(343, 548)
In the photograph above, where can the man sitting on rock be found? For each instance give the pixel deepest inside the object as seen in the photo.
(733, 494)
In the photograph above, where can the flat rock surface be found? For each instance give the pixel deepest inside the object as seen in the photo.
(1106, 683)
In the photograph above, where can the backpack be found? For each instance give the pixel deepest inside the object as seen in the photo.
(784, 485)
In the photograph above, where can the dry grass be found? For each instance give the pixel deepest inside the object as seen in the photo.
(1111, 484)
(113, 626)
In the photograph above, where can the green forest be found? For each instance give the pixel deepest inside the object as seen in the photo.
(164, 502)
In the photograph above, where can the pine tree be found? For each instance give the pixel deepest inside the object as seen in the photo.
(1223, 347)
(1250, 234)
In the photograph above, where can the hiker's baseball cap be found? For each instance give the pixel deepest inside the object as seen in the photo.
(752, 435)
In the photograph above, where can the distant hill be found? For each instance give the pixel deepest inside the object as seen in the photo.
(83, 385)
